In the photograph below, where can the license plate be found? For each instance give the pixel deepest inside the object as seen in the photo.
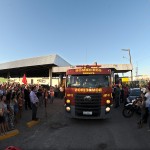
(87, 112)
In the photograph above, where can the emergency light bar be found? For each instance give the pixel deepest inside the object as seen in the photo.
(89, 66)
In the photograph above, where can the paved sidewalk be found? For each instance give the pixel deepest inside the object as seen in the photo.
(9, 134)
(27, 122)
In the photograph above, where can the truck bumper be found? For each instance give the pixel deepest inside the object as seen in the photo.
(103, 114)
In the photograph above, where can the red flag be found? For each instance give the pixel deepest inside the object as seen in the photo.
(24, 80)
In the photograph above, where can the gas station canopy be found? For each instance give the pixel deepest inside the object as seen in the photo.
(39, 67)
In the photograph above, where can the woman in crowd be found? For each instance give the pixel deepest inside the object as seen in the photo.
(20, 103)
(2, 120)
(6, 113)
(46, 95)
(51, 94)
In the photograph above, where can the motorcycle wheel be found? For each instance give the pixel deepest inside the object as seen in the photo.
(127, 113)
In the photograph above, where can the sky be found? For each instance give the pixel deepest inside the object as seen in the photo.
(79, 31)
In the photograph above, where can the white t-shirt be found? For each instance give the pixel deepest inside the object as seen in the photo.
(147, 102)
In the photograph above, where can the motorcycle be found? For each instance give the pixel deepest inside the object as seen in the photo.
(132, 107)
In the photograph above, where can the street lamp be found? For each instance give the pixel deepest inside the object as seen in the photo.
(130, 62)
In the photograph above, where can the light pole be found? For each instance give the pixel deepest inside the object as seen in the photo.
(130, 62)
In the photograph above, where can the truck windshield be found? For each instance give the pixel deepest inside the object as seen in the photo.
(88, 81)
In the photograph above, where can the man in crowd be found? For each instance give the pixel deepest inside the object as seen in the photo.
(117, 96)
(27, 98)
(34, 103)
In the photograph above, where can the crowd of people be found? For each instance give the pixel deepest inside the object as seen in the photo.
(14, 98)
(120, 95)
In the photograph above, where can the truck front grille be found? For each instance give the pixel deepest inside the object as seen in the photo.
(87, 103)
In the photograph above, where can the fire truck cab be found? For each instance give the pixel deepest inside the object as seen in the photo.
(88, 93)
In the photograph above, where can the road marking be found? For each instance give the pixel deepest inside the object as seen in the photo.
(9, 134)
(32, 123)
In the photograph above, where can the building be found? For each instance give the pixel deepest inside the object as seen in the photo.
(37, 69)
(46, 69)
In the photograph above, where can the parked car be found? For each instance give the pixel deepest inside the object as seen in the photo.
(133, 93)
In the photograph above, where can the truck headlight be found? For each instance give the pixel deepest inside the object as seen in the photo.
(68, 108)
(107, 109)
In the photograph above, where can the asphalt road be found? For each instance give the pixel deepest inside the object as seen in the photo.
(57, 132)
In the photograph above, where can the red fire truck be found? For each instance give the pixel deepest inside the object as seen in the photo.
(88, 92)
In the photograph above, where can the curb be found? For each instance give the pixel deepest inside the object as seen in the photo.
(32, 123)
(9, 134)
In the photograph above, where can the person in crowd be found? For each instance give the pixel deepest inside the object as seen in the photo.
(14, 92)
(1, 91)
(39, 95)
(16, 110)
(141, 104)
(62, 91)
(145, 108)
(11, 114)
(20, 103)
(27, 98)
(8, 94)
(148, 118)
(34, 103)
(2, 119)
(46, 95)
(126, 93)
(113, 92)
(122, 94)
(56, 91)
(147, 103)
(51, 94)
(117, 96)
(5, 113)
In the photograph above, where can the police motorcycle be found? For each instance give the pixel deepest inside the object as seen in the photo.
(132, 107)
